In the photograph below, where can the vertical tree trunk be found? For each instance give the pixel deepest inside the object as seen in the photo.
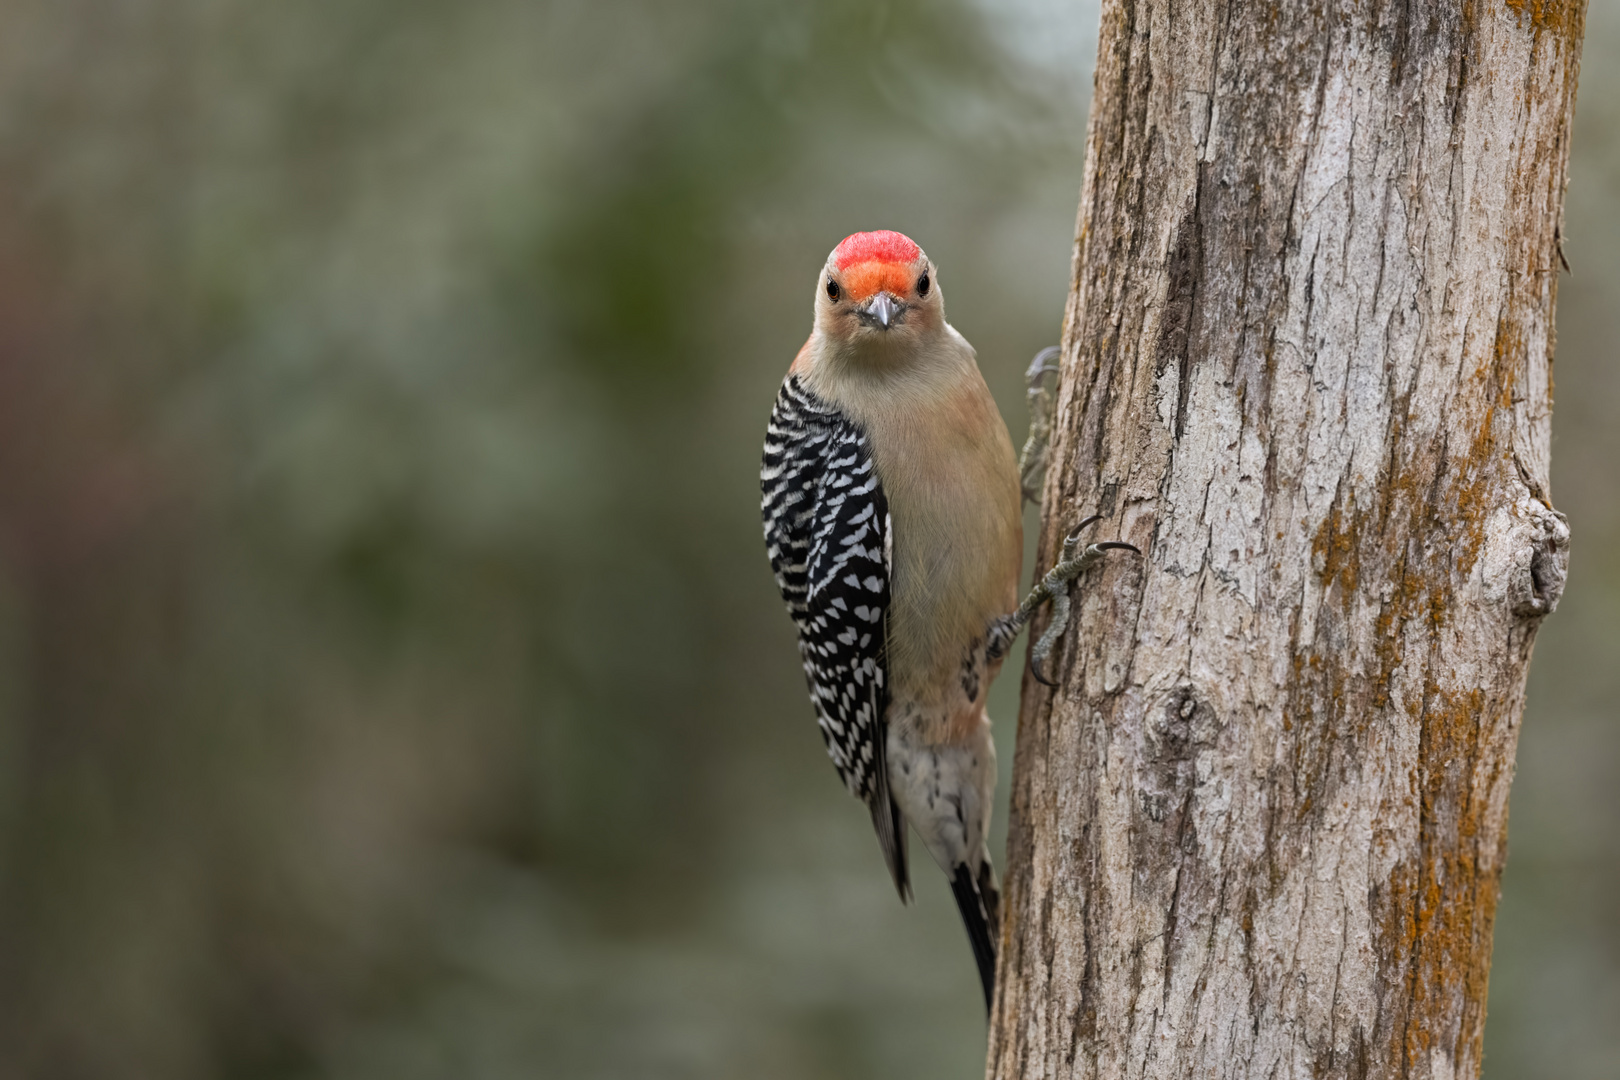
(1258, 830)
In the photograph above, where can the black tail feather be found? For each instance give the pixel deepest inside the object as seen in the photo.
(891, 834)
(886, 819)
(975, 908)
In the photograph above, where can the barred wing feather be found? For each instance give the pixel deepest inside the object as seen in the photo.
(827, 533)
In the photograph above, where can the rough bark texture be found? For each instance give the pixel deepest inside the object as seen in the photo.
(1259, 829)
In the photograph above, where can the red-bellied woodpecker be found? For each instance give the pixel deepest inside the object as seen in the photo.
(892, 519)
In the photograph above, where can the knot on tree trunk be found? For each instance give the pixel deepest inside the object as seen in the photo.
(1526, 559)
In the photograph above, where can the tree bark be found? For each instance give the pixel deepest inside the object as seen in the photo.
(1307, 367)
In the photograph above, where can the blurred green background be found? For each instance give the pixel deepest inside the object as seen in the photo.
(392, 684)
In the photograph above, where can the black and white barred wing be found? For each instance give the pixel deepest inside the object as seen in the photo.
(826, 529)
(827, 534)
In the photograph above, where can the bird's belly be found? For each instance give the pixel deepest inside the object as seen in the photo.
(953, 574)
(944, 790)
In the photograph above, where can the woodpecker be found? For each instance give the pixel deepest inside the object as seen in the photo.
(892, 508)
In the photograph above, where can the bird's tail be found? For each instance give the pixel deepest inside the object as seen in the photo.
(887, 821)
(979, 901)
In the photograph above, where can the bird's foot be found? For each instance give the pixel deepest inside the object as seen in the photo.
(1072, 562)
(1042, 394)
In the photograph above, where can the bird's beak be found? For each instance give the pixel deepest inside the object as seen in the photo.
(882, 309)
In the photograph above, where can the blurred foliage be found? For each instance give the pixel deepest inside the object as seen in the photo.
(391, 680)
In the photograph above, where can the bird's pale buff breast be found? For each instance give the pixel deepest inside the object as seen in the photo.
(947, 467)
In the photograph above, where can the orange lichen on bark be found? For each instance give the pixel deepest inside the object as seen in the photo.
(1476, 477)
(1509, 349)
(1452, 906)
(1336, 546)
(1564, 18)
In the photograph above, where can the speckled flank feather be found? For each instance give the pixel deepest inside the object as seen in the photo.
(827, 534)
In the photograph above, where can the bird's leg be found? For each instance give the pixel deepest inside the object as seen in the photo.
(1042, 394)
(1054, 587)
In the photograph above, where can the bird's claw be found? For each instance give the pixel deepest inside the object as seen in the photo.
(1044, 364)
(1074, 535)
(1055, 584)
(1042, 397)
(1054, 630)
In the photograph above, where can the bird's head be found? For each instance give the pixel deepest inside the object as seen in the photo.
(878, 293)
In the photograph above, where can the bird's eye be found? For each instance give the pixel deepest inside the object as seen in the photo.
(832, 290)
(922, 285)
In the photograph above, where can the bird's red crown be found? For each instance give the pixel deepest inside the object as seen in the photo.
(871, 261)
(881, 246)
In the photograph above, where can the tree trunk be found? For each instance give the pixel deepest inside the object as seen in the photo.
(1307, 367)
